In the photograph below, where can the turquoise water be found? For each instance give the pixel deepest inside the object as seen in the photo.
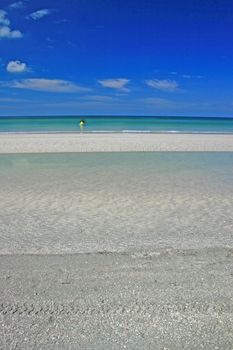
(118, 124)
(69, 203)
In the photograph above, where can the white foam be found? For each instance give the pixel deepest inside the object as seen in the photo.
(137, 131)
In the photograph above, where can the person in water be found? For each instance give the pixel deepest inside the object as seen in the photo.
(82, 123)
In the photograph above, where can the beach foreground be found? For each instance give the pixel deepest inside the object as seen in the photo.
(113, 142)
(165, 299)
(116, 250)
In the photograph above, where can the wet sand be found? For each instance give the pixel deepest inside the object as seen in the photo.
(42, 143)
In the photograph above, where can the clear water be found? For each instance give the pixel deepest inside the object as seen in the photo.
(75, 203)
(117, 124)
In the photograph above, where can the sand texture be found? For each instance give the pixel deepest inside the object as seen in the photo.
(116, 251)
(36, 143)
(165, 299)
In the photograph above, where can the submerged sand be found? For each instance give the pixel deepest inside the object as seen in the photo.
(115, 251)
(44, 143)
(115, 202)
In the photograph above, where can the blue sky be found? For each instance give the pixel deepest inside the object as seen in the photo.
(116, 57)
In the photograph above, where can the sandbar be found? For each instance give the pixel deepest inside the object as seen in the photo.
(114, 142)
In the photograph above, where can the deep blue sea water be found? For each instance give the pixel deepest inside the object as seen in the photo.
(117, 124)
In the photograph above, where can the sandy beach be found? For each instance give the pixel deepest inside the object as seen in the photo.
(116, 175)
(115, 250)
(43, 143)
(166, 299)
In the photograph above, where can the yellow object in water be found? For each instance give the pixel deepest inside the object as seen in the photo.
(81, 123)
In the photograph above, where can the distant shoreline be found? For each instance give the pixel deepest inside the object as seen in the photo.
(97, 132)
(113, 142)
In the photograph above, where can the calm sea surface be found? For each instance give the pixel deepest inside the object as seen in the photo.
(117, 124)
(59, 203)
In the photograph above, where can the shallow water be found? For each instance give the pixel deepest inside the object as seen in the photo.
(70, 203)
(117, 124)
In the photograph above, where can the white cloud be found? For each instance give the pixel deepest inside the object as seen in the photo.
(163, 85)
(5, 30)
(39, 14)
(49, 85)
(17, 5)
(118, 84)
(3, 18)
(16, 67)
(186, 76)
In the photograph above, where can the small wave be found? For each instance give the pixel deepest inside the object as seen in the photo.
(136, 131)
(101, 131)
(174, 131)
(116, 132)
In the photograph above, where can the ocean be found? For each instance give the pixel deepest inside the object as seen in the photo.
(117, 124)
